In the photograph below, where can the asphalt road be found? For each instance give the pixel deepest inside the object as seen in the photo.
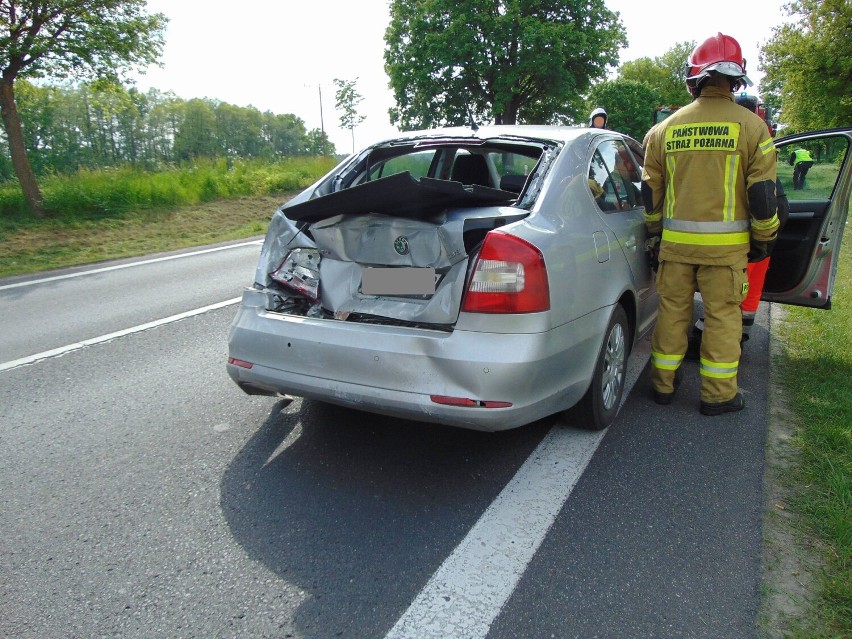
(143, 495)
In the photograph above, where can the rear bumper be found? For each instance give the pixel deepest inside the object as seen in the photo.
(395, 371)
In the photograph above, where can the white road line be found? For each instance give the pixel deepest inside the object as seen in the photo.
(121, 266)
(56, 352)
(467, 592)
(464, 596)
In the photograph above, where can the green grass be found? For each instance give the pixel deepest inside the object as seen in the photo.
(109, 193)
(96, 216)
(815, 369)
(819, 182)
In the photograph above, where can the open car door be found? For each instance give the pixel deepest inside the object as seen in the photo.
(804, 260)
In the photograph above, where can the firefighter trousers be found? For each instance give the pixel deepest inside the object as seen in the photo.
(722, 289)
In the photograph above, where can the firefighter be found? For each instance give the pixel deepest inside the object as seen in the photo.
(598, 118)
(756, 270)
(756, 278)
(709, 190)
(801, 161)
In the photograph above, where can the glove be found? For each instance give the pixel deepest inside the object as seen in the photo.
(652, 247)
(758, 251)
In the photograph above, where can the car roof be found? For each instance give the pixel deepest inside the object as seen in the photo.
(525, 131)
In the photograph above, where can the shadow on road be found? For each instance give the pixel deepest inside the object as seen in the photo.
(358, 510)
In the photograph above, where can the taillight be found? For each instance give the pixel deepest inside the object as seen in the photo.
(299, 271)
(509, 277)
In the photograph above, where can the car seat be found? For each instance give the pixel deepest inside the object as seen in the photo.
(471, 169)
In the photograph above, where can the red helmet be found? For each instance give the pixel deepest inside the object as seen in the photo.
(721, 54)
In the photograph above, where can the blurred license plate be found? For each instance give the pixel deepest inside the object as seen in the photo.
(398, 281)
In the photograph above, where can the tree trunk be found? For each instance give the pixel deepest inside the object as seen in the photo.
(509, 117)
(18, 150)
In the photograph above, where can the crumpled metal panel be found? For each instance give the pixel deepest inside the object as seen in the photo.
(343, 295)
(370, 239)
(351, 243)
(348, 243)
(282, 237)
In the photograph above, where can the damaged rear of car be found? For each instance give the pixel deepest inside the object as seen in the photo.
(448, 276)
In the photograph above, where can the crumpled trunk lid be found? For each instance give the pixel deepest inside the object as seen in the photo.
(352, 245)
(373, 266)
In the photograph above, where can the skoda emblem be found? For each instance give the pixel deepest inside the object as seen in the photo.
(400, 245)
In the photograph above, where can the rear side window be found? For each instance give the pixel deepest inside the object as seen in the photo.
(415, 163)
(512, 164)
(615, 177)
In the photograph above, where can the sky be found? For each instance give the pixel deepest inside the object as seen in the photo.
(284, 56)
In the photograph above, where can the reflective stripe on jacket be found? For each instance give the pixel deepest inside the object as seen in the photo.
(699, 165)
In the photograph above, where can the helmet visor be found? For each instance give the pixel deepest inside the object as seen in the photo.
(731, 69)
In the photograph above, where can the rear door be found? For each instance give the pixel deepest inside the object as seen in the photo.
(619, 174)
(804, 260)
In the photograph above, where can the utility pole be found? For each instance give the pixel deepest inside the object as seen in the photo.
(322, 125)
(319, 91)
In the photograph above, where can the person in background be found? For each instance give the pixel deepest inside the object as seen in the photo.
(709, 190)
(597, 193)
(597, 119)
(801, 161)
(623, 172)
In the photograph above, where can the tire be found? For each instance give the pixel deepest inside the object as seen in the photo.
(599, 406)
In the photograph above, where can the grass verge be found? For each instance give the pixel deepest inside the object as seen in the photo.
(54, 243)
(125, 212)
(810, 516)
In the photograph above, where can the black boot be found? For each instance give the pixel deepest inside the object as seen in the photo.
(733, 405)
(666, 398)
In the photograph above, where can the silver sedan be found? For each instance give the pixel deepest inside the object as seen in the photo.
(476, 278)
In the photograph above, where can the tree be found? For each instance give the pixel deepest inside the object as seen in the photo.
(319, 144)
(58, 38)
(629, 105)
(131, 125)
(451, 62)
(346, 99)
(197, 135)
(41, 105)
(287, 134)
(162, 122)
(240, 131)
(110, 104)
(808, 65)
(665, 74)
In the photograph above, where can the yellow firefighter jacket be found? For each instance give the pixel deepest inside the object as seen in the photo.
(699, 164)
